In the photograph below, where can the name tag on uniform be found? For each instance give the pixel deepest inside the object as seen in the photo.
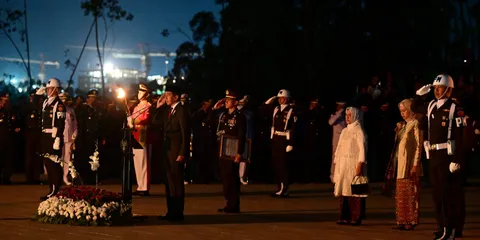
(461, 121)
(60, 114)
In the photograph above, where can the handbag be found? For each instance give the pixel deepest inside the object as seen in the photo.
(360, 185)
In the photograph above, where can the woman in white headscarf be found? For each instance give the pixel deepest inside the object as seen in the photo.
(408, 166)
(350, 161)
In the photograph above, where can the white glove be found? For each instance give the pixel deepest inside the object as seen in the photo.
(289, 148)
(130, 121)
(219, 104)
(454, 167)
(40, 91)
(270, 100)
(56, 144)
(424, 90)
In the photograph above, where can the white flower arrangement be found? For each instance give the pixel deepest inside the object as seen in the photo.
(61, 210)
(95, 164)
(56, 159)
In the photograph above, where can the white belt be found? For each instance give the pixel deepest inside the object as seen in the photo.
(438, 146)
(47, 130)
(278, 133)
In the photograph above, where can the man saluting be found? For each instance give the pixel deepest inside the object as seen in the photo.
(173, 122)
(51, 141)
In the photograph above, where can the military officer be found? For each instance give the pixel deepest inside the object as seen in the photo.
(337, 121)
(32, 130)
(6, 130)
(139, 120)
(243, 170)
(281, 135)
(445, 151)
(231, 123)
(51, 141)
(69, 136)
(89, 135)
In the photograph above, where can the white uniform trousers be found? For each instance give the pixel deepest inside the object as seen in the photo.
(67, 157)
(142, 168)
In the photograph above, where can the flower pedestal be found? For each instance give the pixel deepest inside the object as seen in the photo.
(85, 206)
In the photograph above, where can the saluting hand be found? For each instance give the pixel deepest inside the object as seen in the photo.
(180, 158)
(238, 157)
(161, 101)
(219, 104)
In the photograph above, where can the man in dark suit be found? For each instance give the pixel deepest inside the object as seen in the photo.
(172, 119)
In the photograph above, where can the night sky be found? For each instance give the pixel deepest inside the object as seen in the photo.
(56, 23)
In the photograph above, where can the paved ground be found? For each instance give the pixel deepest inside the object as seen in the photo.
(310, 214)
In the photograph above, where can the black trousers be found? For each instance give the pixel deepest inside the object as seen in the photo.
(174, 187)
(229, 171)
(33, 161)
(447, 191)
(54, 170)
(280, 160)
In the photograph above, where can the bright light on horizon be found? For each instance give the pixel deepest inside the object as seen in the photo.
(120, 93)
(108, 67)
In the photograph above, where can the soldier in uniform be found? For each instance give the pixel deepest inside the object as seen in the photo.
(89, 135)
(281, 135)
(232, 122)
(173, 120)
(203, 143)
(69, 136)
(32, 130)
(139, 120)
(337, 121)
(51, 141)
(243, 171)
(6, 124)
(444, 150)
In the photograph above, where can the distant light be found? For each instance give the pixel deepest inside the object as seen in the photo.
(166, 61)
(120, 93)
(183, 78)
(108, 67)
(13, 81)
(174, 81)
(465, 60)
(20, 90)
(34, 86)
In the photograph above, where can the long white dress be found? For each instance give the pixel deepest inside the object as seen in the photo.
(351, 149)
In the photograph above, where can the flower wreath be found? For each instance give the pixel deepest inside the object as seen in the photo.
(85, 206)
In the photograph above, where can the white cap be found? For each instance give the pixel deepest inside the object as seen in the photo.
(283, 93)
(53, 82)
(443, 80)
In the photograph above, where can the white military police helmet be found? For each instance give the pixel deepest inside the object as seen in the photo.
(53, 82)
(443, 80)
(283, 93)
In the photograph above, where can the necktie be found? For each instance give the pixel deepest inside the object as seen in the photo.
(170, 113)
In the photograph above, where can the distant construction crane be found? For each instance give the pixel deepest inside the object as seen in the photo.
(144, 56)
(42, 62)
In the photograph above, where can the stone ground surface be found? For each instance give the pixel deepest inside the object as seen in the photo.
(310, 213)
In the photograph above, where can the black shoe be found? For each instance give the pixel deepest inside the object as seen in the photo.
(399, 227)
(6, 182)
(444, 234)
(164, 217)
(356, 223)
(141, 193)
(408, 228)
(178, 218)
(343, 222)
(228, 210)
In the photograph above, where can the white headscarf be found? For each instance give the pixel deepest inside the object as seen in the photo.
(357, 115)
